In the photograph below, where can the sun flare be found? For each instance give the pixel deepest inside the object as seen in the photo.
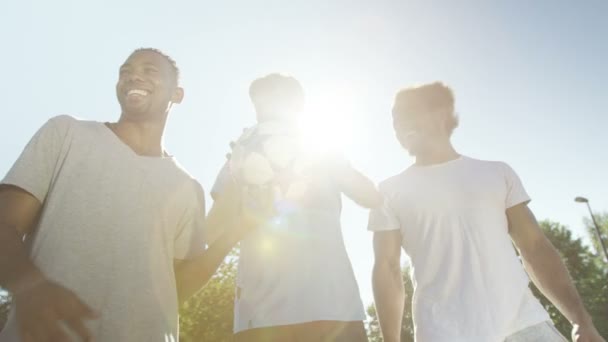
(327, 124)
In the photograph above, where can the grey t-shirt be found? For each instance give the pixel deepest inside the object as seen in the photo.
(112, 224)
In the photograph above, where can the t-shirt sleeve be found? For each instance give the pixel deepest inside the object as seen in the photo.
(383, 218)
(191, 238)
(515, 192)
(223, 179)
(35, 168)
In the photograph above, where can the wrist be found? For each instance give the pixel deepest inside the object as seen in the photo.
(582, 319)
(29, 278)
(391, 338)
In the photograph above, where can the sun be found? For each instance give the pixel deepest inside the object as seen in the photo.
(326, 126)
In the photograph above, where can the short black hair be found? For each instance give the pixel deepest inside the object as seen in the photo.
(167, 57)
(278, 85)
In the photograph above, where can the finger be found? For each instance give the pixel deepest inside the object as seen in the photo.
(26, 336)
(87, 311)
(76, 308)
(46, 330)
(47, 327)
(56, 334)
(79, 328)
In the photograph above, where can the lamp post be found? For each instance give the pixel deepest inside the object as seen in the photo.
(597, 227)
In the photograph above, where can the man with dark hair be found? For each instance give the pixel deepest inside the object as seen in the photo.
(295, 282)
(457, 219)
(101, 228)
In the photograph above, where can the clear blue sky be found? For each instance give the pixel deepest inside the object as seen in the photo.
(529, 79)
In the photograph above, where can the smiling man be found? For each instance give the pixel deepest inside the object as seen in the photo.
(100, 228)
(458, 218)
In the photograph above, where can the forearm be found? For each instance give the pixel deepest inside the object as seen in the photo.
(191, 275)
(359, 188)
(551, 276)
(389, 296)
(17, 271)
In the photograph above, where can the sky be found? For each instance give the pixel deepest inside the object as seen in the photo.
(528, 77)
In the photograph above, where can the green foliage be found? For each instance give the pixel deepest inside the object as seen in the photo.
(602, 222)
(588, 270)
(589, 276)
(5, 305)
(407, 325)
(208, 315)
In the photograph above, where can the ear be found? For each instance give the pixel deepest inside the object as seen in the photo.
(178, 95)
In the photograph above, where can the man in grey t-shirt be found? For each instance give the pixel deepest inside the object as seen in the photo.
(100, 228)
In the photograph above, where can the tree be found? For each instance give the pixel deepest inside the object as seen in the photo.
(602, 222)
(208, 315)
(586, 268)
(5, 305)
(407, 325)
(589, 277)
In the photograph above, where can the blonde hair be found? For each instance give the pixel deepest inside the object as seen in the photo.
(428, 98)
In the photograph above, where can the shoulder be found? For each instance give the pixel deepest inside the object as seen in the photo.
(66, 123)
(488, 165)
(65, 120)
(57, 128)
(189, 184)
(392, 185)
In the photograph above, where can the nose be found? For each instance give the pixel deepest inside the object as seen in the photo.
(134, 76)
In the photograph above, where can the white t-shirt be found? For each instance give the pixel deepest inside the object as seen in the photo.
(112, 224)
(469, 284)
(296, 269)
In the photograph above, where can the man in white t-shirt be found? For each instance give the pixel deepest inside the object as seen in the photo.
(457, 219)
(101, 230)
(295, 281)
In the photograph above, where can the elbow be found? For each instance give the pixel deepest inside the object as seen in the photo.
(371, 199)
(539, 250)
(374, 200)
(386, 271)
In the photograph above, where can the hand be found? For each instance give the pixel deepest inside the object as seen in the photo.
(42, 308)
(586, 333)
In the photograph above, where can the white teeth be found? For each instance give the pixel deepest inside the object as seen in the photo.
(137, 92)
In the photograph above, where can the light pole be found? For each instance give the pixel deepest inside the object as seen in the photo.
(597, 227)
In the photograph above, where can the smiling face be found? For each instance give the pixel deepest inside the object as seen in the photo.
(147, 86)
(418, 132)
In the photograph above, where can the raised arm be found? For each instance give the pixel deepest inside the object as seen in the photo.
(233, 220)
(355, 185)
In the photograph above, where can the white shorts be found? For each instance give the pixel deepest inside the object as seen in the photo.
(541, 332)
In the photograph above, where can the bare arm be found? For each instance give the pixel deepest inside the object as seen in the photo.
(356, 186)
(547, 270)
(228, 217)
(19, 212)
(389, 293)
(41, 304)
(191, 275)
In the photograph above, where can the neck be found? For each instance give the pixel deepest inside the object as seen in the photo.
(438, 155)
(145, 138)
